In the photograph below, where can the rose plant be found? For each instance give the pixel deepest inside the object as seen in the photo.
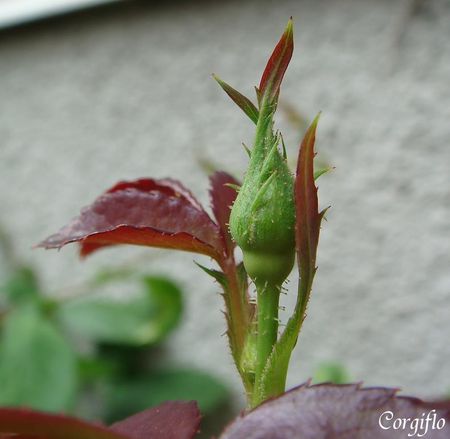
(273, 217)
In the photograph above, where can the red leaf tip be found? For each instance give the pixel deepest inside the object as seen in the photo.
(278, 63)
(308, 217)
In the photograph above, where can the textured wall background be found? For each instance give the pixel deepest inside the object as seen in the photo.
(126, 92)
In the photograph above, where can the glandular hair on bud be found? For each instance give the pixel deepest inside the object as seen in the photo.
(262, 220)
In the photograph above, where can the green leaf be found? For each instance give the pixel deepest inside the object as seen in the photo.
(37, 366)
(242, 277)
(216, 274)
(244, 103)
(91, 369)
(141, 320)
(124, 398)
(107, 276)
(321, 171)
(22, 286)
(331, 373)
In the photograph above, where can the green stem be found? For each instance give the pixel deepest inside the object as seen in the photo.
(274, 379)
(268, 297)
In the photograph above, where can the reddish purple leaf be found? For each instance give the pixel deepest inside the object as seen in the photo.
(168, 186)
(171, 420)
(26, 423)
(222, 198)
(156, 213)
(329, 411)
(308, 217)
(277, 65)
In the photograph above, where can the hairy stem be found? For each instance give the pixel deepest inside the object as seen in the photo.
(268, 298)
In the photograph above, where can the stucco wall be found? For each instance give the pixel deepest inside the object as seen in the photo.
(126, 92)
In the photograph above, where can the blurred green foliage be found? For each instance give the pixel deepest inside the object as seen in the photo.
(37, 365)
(142, 320)
(41, 365)
(133, 395)
(330, 372)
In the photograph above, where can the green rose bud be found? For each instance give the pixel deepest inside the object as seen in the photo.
(262, 220)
